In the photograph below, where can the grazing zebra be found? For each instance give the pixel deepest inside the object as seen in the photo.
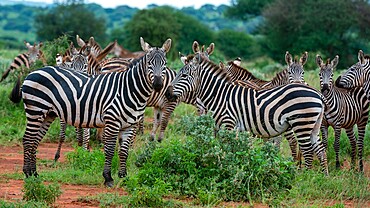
(121, 52)
(25, 59)
(265, 113)
(115, 101)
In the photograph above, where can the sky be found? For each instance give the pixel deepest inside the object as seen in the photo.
(141, 4)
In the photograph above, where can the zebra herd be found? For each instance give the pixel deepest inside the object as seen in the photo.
(87, 90)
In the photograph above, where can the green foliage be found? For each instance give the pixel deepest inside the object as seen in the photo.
(299, 26)
(35, 190)
(237, 44)
(157, 24)
(53, 47)
(70, 18)
(244, 9)
(22, 204)
(228, 167)
(90, 162)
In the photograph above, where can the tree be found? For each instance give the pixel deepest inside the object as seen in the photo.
(71, 17)
(329, 27)
(236, 44)
(157, 24)
(244, 9)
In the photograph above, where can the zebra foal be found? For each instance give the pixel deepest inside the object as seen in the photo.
(264, 113)
(115, 101)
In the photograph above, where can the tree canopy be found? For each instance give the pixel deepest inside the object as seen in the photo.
(157, 24)
(71, 18)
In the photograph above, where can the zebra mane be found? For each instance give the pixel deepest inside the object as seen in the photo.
(367, 56)
(135, 61)
(242, 69)
(216, 70)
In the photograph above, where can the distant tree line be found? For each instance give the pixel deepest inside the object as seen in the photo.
(328, 27)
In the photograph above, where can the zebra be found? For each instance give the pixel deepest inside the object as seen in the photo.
(355, 76)
(293, 73)
(264, 113)
(25, 59)
(115, 101)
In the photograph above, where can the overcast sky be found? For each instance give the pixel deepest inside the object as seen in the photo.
(143, 3)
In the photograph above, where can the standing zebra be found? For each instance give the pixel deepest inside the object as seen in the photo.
(293, 73)
(115, 101)
(25, 59)
(265, 113)
(358, 75)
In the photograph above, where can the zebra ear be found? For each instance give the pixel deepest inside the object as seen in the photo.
(237, 61)
(28, 45)
(195, 47)
(334, 62)
(361, 58)
(210, 48)
(304, 58)
(144, 45)
(222, 65)
(319, 60)
(288, 58)
(167, 45)
(80, 42)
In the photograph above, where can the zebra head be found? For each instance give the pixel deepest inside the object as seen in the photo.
(34, 52)
(326, 72)
(295, 68)
(156, 62)
(185, 80)
(356, 74)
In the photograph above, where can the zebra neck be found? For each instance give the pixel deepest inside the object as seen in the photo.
(137, 82)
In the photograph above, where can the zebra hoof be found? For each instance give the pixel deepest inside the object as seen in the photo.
(109, 184)
(122, 174)
(56, 158)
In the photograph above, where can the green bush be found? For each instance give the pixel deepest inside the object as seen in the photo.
(90, 162)
(35, 190)
(233, 166)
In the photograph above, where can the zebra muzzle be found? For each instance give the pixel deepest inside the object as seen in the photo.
(157, 83)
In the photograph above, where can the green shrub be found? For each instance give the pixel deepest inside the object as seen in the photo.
(35, 190)
(232, 166)
(91, 162)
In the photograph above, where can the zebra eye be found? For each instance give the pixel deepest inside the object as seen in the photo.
(184, 75)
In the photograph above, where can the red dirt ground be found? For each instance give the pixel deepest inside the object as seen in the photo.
(11, 161)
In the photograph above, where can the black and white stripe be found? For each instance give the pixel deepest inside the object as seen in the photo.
(115, 101)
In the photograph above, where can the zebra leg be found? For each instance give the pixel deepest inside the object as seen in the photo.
(86, 139)
(324, 133)
(79, 135)
(289, 135)
(35, 131)
(140, 125)
(126, 139)
(156, 123)
(110, 137)
(360, 143)
(166, 115)
(352, 141)
(337, 131)
(62, 137)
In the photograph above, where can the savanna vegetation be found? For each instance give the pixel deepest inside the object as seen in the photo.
(191, 167)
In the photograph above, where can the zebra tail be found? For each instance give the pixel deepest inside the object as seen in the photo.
(15, 95)
(5, 74)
